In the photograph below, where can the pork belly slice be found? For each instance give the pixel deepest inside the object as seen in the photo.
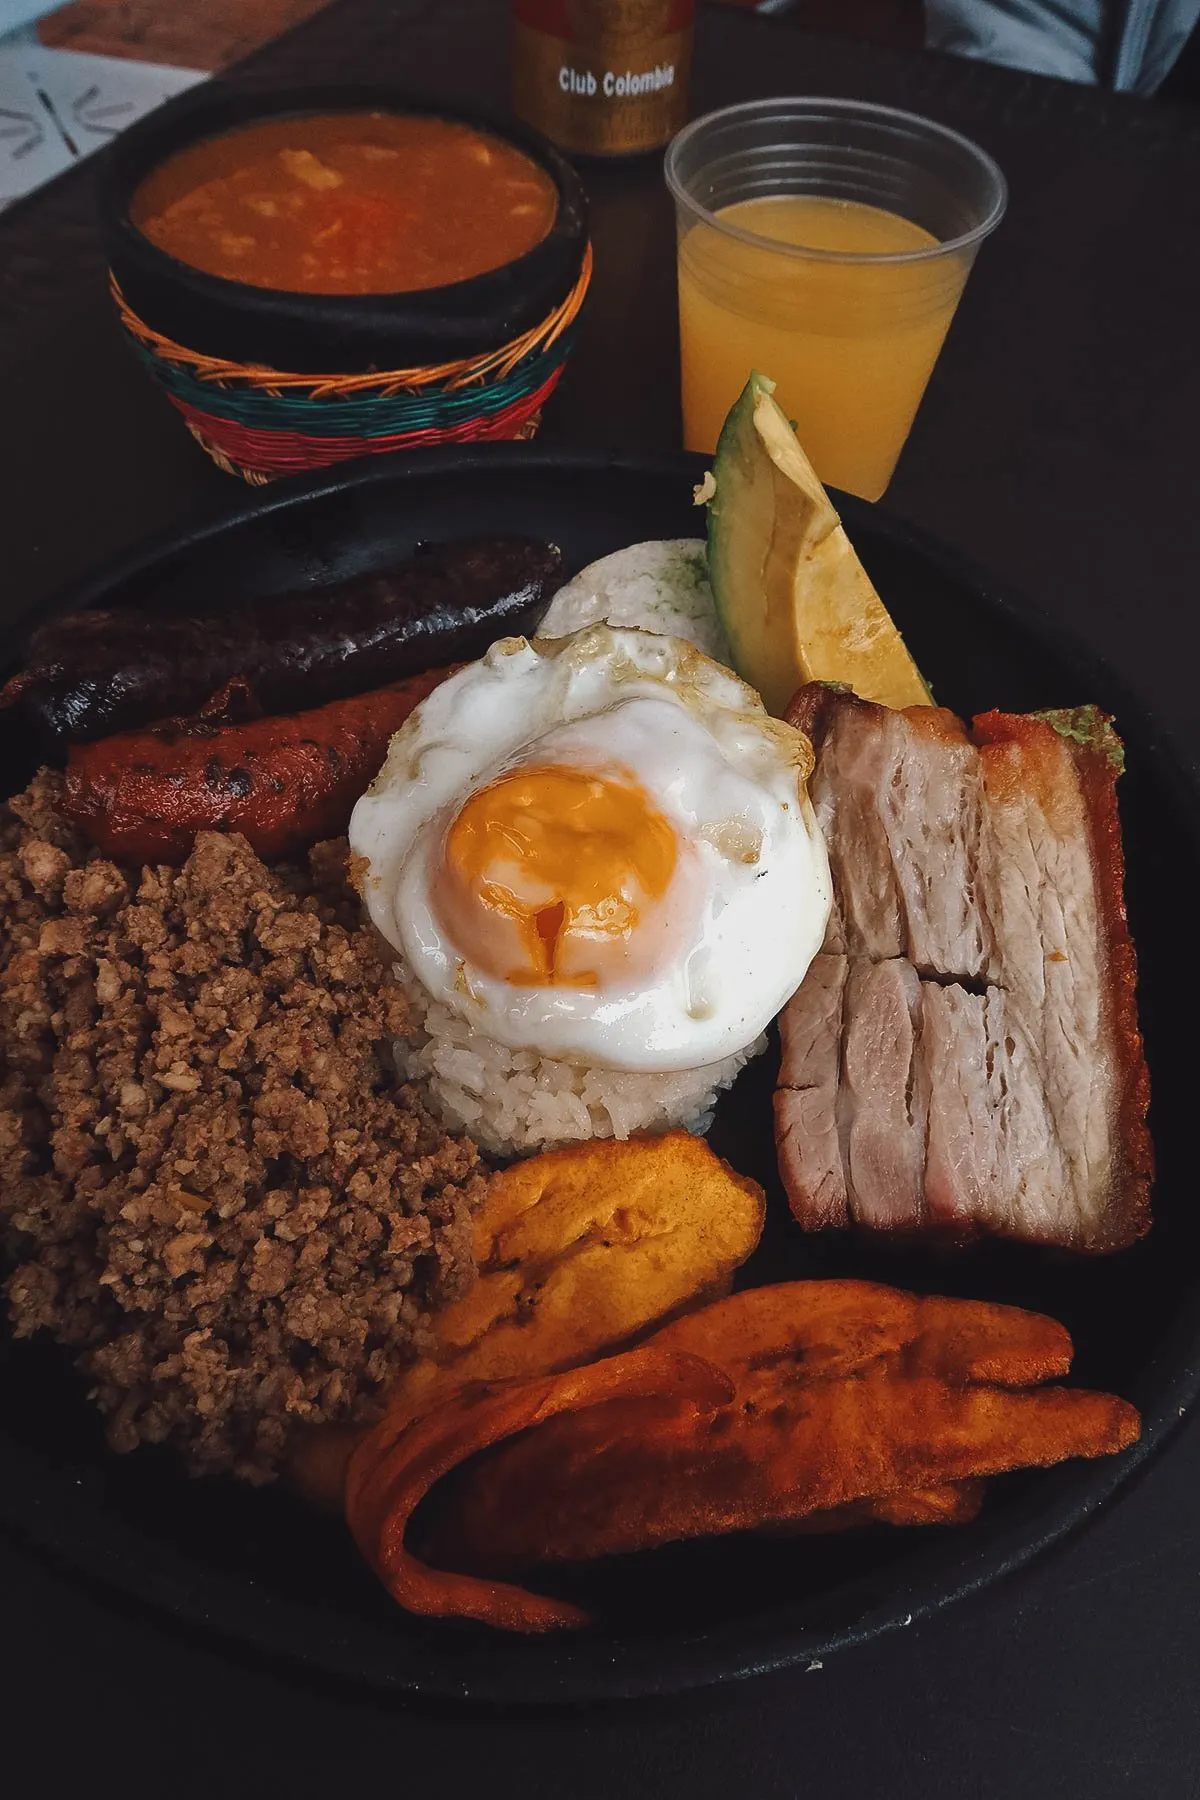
(850, 1105)
(1006, 1091)
(806, 1126)
(933, 816)
(1054, 885)
(899, 798)
(854, 762)
(881, 1103)
(991, 1140)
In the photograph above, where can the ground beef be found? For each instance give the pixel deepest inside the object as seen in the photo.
(210, 1184)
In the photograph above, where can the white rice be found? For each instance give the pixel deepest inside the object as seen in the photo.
(513, 1102)
(659, 586)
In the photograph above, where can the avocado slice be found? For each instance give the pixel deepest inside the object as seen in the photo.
(793, 597)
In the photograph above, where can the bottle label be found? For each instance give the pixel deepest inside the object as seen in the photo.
(603, 77)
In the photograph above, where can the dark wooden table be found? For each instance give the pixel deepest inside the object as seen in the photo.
(1057, 446)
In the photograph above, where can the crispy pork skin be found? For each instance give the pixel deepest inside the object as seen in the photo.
(965, 1057)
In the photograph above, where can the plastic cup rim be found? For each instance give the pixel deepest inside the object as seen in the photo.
(966, 240)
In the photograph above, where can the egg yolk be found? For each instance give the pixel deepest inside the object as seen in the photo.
(557, 877)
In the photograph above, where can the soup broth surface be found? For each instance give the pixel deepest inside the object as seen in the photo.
(348, 203)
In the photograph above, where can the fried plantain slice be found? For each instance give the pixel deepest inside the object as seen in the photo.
(846, 1393)
(580, 1248)
(578, 1251)
(802, 1330)
(396, 1464)
(597, 1487)
(957, 1503)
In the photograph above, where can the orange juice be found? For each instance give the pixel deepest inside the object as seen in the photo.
(850, 343)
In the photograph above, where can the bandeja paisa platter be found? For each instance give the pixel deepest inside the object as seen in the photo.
(873, 1396)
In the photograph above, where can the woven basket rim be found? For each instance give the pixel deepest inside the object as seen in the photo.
(496, 363)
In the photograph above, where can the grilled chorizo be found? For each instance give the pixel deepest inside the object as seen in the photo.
(284, 783)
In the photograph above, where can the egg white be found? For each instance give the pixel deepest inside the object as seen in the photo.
(756, 896)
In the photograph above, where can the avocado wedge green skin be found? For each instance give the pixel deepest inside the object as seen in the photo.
(795, 602)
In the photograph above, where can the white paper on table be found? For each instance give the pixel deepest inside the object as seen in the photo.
(57, 106)
(95, 97)
(32, 148)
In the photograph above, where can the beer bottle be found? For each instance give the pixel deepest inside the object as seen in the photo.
(603, 77)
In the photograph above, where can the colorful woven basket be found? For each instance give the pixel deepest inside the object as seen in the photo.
(260, 423)
(245, 366)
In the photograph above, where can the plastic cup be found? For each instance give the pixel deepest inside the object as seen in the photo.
(848, 334)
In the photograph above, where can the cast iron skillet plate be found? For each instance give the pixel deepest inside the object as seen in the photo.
(260, 1567)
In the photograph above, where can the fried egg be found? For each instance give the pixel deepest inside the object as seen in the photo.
(599, 848)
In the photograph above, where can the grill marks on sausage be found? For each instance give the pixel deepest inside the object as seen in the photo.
(964, 1057)
(284, 783)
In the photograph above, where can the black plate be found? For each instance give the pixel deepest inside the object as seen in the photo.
(259, 1567)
